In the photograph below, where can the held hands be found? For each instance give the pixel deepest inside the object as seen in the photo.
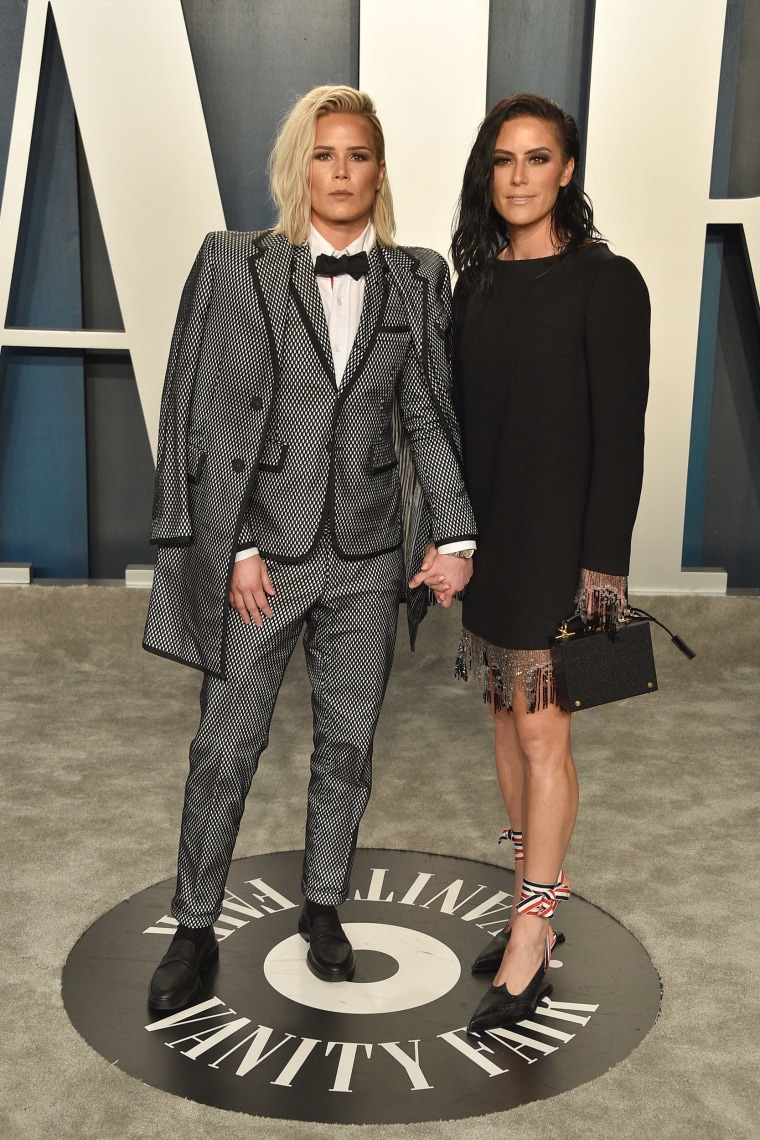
(445, 574)
(251, 588)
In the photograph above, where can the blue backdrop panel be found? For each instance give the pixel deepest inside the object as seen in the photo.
(46, 291)
(43, 495)
(699, 448)
(732, 499)
(724, 118)
(542, 46)
(722, 517)
(119, 467)
(744, 175)
(12, 18)
(252, 61)
(43, 482)
(100, 303)
(119, 460)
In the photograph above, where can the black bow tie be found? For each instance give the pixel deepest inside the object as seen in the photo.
(357, 264)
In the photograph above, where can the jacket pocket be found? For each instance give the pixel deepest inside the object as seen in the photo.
(273, 455)
(382, 458)
(196, 461)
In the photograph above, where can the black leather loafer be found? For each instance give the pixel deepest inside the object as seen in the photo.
(177, 977)
(330, 956)
(489, 958)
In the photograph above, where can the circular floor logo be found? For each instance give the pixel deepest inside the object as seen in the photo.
(264, 1036)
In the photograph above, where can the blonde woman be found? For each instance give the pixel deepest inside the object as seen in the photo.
(305, 397)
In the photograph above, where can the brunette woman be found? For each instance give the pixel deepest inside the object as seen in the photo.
(552, 350)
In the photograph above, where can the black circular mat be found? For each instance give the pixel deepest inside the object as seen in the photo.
(267, 1038)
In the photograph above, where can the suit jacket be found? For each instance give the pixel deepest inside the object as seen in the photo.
(238, 461)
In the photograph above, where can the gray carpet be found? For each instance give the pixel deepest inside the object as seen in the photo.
(94, 747)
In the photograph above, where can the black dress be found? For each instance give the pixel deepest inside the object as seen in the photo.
(552, 371)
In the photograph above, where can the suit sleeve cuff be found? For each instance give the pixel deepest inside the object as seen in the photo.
(453, 547)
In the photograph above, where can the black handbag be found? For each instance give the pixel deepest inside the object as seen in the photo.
(595, 666)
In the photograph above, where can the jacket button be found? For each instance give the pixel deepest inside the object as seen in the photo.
(238, 465)
(257, 403)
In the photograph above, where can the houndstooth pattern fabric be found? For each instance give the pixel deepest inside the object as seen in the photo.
(348, 611)
(222, 413)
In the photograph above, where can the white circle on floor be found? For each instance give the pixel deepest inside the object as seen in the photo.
(427, 969)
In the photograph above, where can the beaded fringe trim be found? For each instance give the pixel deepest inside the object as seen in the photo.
(502, 672)
(601, 597)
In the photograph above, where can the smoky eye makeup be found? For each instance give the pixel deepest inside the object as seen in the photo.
(533, 156)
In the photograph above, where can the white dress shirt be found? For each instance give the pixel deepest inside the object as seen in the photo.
(342, 297)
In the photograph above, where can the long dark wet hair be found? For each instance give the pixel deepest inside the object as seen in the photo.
(481, 233)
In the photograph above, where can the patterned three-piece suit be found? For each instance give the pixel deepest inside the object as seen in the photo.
(340, 487)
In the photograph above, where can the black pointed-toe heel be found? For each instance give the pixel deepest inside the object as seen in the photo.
(489, 958)
(498, 1007)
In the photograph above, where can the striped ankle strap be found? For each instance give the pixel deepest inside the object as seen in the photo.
(515, 837)
(540, 900)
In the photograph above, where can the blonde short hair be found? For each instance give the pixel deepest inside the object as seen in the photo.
(291, 155)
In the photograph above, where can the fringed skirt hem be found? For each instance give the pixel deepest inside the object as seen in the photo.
(502, 672)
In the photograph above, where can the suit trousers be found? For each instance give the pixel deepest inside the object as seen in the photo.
(348, 612)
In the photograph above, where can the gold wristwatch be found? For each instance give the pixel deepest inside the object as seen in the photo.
(466, 553)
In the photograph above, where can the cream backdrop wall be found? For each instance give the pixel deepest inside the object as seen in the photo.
(654, 87)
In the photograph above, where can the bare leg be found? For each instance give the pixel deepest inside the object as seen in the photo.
(548, 810)
(510, 772)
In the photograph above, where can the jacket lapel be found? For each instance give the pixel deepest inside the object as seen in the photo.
(269, 266)
(371, 319)
(305, 293)
(280, 271)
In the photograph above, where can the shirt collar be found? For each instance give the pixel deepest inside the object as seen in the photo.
(364, 242)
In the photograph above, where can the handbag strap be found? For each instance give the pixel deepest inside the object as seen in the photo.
(632, 613)
(575, 626)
